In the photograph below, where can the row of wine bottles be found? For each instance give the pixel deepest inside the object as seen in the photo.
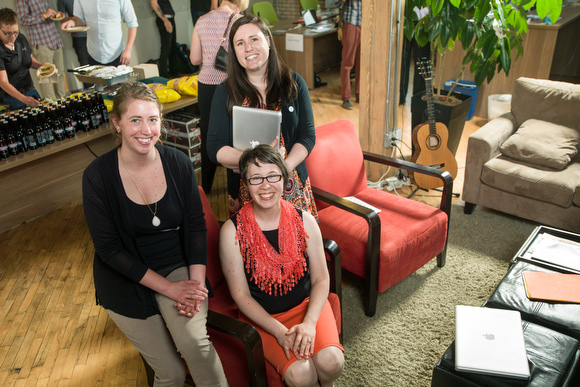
(33, 128)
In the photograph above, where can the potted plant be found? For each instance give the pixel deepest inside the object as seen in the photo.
(489, 32)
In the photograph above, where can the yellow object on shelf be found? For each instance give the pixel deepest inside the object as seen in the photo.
(164, 93)
(184, 85)
(109, 105)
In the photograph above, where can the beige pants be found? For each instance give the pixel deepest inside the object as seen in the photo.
(44, 54)
(165, 339)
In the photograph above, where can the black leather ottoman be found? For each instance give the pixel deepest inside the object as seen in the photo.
(553, 359)
(511, 294)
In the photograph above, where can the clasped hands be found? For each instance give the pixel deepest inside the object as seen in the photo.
(188, 296)
(298, 340)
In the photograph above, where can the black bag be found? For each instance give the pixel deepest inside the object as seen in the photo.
(183, 65)
(221, 58)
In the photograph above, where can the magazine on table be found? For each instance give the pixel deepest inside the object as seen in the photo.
(556, 251)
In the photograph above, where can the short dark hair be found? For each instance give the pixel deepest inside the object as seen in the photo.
(264, 154)
(8, 17)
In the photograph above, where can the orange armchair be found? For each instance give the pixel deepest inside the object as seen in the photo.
(238, 343)
(382, 248)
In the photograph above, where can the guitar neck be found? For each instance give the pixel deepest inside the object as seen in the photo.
(430, 106)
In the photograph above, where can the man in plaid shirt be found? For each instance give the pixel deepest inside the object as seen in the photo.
(45, 41)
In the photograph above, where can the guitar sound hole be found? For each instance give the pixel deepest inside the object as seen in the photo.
(433, 142)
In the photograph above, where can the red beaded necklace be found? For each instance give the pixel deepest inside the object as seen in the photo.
(274, 272)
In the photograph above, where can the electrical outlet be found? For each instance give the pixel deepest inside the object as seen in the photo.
(391, 138)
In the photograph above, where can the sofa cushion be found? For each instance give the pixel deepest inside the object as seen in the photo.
(551, 186)
(542, 143)
(546, 100)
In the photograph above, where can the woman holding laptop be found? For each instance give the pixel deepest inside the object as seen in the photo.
(258, 78)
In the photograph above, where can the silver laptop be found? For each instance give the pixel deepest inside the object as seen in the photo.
(253, 126)
(310, 18)
(490, 341)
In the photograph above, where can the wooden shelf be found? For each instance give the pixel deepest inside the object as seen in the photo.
(55, 147)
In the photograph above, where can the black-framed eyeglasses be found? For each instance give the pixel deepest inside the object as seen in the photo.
(257, 180)
(10, 33)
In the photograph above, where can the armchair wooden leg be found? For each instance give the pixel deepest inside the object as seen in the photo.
(469, 208)
(370, 299)
(441, 258)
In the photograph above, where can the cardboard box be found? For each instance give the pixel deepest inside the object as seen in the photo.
(183, 129)
(146, 70)
(194, 153)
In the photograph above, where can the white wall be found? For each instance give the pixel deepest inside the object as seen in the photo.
(147, 44)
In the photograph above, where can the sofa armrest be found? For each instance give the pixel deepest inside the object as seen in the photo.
(250, 337)
(482, 146)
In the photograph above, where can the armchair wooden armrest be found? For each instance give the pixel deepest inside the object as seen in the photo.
(373, 239)
(444, 176)
(335, 271)
(250, 337)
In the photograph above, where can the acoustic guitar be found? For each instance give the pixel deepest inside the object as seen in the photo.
(430, 140)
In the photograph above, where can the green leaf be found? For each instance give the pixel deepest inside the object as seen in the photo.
(436, 6)
(504, 57)
(467, 34)
(489, 47)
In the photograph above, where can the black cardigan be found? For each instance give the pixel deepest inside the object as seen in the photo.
(117, 267)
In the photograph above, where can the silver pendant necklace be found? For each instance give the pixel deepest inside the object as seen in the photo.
(155, 221)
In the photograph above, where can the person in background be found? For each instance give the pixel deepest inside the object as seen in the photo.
(205, 42)
(145, 216)
(273, 260)
(257, 77)
(45, 40)
(199, 8)
(17, 88)
(79, 39)
(351, 34)
(412, 49)
(165, 21)
(105, 36)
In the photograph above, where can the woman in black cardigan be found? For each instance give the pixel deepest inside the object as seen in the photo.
(145, 216)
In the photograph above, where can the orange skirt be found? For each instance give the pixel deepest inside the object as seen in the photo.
(326, 334)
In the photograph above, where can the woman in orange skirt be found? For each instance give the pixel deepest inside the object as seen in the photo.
(273, 260)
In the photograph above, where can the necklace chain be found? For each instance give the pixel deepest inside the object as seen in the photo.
(156, 222)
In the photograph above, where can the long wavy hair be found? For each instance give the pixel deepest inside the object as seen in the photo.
(281, 85)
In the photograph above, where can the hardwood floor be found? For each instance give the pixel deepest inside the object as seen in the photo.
(51, 331)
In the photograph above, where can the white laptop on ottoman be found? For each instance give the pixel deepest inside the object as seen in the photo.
(490, 341)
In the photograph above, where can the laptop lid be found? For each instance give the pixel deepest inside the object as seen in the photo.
(490, 341)
(310, 17)
(253, 126)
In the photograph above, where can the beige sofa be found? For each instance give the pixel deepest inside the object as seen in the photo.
(526, 162)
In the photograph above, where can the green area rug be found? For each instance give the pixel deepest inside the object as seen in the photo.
(415, 320)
